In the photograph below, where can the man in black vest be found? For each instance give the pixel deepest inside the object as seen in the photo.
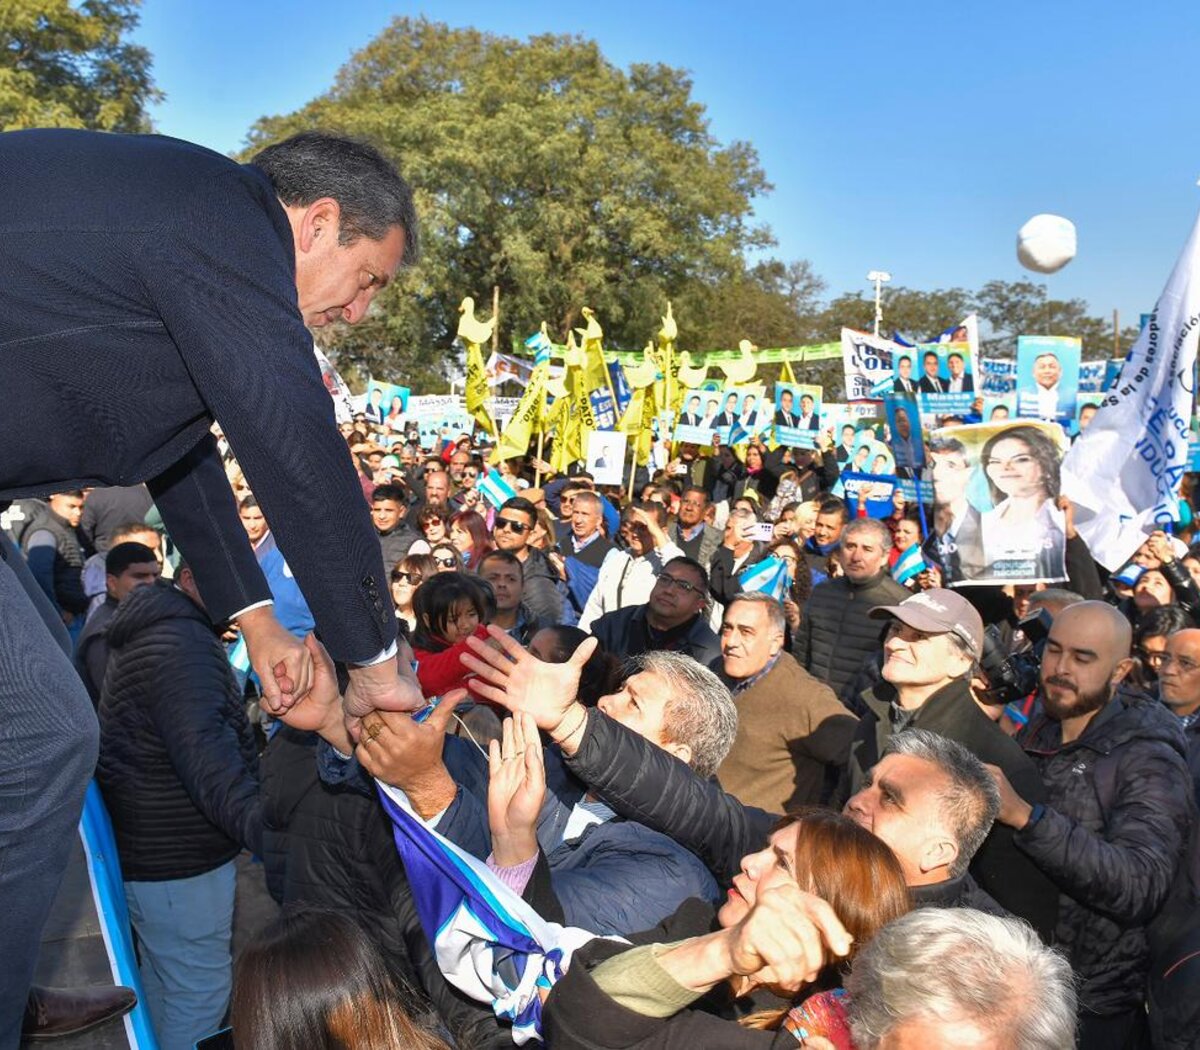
(147, 288)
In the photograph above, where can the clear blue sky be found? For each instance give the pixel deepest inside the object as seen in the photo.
(914, 138)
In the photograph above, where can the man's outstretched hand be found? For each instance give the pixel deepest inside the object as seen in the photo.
(510, 675)
(281, 660)
(389, 686)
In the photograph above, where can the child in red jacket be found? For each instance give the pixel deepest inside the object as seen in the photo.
(449, 607)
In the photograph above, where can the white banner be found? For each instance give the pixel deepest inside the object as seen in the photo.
(1123, 474)
(869, 361)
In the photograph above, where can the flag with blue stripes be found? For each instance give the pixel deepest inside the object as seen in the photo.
(910, 563)
(488, 942)
(495, 488)
(738, 434)
(541, 346)
(770, 576)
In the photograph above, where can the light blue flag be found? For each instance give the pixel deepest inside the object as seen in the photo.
(541, 346)
(488, 942)
(738, 434)
(910, 563)
(770, 576)
(494, 488)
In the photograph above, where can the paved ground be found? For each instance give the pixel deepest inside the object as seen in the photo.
(73, 950)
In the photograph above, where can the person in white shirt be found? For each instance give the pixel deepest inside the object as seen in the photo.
(959, 382)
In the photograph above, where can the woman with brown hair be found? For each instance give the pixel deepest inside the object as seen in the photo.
(410, 572)
(796, 914)
(312, 980)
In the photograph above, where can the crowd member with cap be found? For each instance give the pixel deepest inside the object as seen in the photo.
(931, 645)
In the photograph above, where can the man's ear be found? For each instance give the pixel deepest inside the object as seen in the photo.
(320, 222)
(938, 853)
(683, 752)
(1121, 670)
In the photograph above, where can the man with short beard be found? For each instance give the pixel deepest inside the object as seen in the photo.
(1117, 816)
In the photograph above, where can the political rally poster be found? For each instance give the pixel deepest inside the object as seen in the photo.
(995, 517)
(1048, 377)
(966, 331)
(870, 455)
(797, 414)
(904, 433)
(869, 363)
(606, 456)
(998, 375)
(999, 409)
(870, 494)
(946, 380)
(694, 425)
(386, 404)
(1091, 376)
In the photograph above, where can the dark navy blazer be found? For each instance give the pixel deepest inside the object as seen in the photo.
(147, 287)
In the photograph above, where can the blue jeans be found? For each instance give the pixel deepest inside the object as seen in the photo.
(48, 743)
(184, 928)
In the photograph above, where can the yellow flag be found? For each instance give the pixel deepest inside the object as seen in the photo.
(526, 421)
(477, 391)
(786, 375)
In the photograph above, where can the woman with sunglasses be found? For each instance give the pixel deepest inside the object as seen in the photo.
(446, 557)
(410, 572)
(432, 524)
(469, 534)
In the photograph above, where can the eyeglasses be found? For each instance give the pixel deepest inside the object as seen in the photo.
(519, 527)
(668, 580)
(433, 520)
(407, 577)
(470, 473)
(447, 563)
(1185, 665)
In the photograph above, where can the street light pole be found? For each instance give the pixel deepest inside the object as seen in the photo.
(880, 277)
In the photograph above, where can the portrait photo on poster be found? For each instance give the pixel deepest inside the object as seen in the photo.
(995, 502)
(386, 404)
(606, 456)
(1048, 377)
(797, 414)
(904, 433)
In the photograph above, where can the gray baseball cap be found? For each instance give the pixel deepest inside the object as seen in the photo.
(938, 611)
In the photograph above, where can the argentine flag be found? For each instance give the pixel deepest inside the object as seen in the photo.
(541, 346)
(738, 434)
(910, 563)
(770, 576)
(489, 943)
(494, 488)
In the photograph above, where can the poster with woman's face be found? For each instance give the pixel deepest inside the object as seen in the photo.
(996, 487)
(386, 404)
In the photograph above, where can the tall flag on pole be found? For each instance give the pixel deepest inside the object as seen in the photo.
(489, 943)
(527, 420)
(478, 391)
(1123, 474)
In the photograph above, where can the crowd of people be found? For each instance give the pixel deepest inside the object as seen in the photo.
(869, 812)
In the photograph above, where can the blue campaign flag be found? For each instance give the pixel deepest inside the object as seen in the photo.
(489, 943)
(770, 576)
(910, 564)
(541, 346)
(620, 387)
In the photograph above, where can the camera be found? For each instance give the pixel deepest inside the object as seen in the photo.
(1013, 677)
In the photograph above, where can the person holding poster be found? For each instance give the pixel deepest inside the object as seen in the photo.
(1048, 377)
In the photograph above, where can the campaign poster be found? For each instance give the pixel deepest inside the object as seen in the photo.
(386, 404)
(904, 433)
(905, 378)
(1048, 377)
(874, 494)
(797, 414)
(998, 375)
(995, 518)
(694, 423)
(868, 362)
(870, 455)
(754, 415)
(834, 416)
(966, 331)
(999, 409)
(1091, 376)
(1088, 406)
(606, 456)
(946, 380)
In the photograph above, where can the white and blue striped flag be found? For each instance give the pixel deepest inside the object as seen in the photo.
(541, 346)
(770, 576)
(495, 488)
(488, 942)
(910, 564)
(739, 434)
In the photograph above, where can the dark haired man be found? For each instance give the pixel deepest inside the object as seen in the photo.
(931, 382)
(692, 534)
(512, 530)
(504, 573)
(55, 555)
(389, 507)
(208, 273)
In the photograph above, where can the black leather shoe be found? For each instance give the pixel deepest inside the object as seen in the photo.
(54, 1012)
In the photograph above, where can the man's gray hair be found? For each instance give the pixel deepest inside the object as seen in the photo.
(1057, 597)
(970, 804)
(882, 534)
(773, 607)
(586, 496)
(700, 712)
(956, 965)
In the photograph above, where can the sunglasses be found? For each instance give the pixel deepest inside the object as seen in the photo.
(407, 577)
(447, 563)
(434, 520)
(470, 473)
(519, 527)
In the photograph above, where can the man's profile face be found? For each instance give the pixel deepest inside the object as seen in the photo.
(930, 364)
(1047, 371)
(336, 282)
(69, 508)
(640, 705)
(139, 574)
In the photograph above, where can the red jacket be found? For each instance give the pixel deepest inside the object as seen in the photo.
(440, 672)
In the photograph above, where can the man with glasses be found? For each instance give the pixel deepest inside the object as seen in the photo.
(1179, 686)
(1117, 815)
(793, 734)
(692, 534)
(672, 620)
(931, 646)
(511, 531)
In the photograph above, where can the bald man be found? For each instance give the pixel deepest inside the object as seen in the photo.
(1179, 687)
(1118, 814)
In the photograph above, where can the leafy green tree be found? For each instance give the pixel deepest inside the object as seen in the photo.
(70, 65)
(541, 168)
(1015, 308)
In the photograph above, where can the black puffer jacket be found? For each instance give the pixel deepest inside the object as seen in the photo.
(178, 765)
(836, 637)
(541, 591)
(1118, 814)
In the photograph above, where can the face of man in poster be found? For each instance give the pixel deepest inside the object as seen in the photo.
(806, 405)
(930, 364)
(731, 404)
(903, 424)
(956, 365)
(1047, 371)
(951, 475)
(785, 401)
(904, 367)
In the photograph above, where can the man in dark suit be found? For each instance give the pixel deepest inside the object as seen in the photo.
(903, 383)
(147, 288)
(691, 417)
(785, 417)
(931, 382)
(729, 415)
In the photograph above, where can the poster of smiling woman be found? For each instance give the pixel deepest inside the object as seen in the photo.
(996, 488)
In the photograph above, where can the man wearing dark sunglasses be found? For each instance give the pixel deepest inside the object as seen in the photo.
(512, 531)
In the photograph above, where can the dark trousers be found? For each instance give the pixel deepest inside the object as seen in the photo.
(1127, 1031)
(48, 745)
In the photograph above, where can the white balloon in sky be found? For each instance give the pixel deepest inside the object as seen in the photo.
(1046, 243)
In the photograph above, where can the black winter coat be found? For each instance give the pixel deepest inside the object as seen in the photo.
(836, 635)
(1118, 813)
(178, 765)
(541, 591)
(1003, 871)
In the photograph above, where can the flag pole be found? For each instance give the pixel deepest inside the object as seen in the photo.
(537, 477)
(632, 469)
